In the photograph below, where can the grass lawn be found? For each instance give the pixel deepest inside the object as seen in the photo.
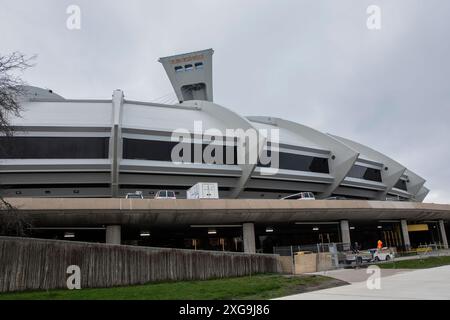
(425, 263)
(255, 287)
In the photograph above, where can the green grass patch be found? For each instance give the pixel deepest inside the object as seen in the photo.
(255, 287)
(424, 263)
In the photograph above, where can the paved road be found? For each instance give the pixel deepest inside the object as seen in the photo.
(404, 285)
(358, 275)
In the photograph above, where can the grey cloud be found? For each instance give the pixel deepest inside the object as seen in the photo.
(313, 61)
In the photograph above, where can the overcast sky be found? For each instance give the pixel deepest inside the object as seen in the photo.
(314, 62)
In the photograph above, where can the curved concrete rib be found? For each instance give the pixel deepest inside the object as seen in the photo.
(422, 194)
(392, 171)
(414, 183)
(116, 142)
(233, 121)
(344, 156)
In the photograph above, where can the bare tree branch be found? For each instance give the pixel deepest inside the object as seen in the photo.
(11, 89)
(12, 222)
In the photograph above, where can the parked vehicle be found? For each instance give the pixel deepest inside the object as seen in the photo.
(165, 194)
(203, 190)
(135, 195)
(358, 257)
(385, 254)
(301, 196)
(336, 198)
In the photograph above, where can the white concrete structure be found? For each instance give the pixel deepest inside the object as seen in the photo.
(64, 148)
(252, 219)
(107, 148)
(113, 234)
(345, 232)
(248, 230)
(191, 75)
(405, 233)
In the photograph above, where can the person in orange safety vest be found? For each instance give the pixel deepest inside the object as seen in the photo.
(379, 245)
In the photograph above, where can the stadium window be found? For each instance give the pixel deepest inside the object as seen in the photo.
(199, 65)
(365, 173)
(54, 147)
(136, 149)
(401, 184)
(178, 69)
(188, 67)
(298, 162)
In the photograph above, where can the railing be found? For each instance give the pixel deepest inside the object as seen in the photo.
(344, 256)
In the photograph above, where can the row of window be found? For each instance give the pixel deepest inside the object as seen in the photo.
(162, 151)
(134, 149)
(189, 67)
(98, 148)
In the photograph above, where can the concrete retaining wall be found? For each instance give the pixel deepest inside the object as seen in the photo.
(287, 264)
(312, 262)
(324, 261)
(305, 263)
(32, 264)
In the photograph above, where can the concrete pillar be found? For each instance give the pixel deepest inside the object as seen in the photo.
(113, 234)
(115, 144)
(345, 232)
(443, 234)
(248, 230)
(405, 233)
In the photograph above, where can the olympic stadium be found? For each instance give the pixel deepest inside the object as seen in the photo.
(65, 148)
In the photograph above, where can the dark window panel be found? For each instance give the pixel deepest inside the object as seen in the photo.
(401, 184)
(136, 149)
(298, 162)
(54, 147)
(365, 173)
(56, 186)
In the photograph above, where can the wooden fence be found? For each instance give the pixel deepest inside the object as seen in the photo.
(35, 264)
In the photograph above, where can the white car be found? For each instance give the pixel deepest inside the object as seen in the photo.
(135, 195)
(301, 196)
(165, 194)
(306, 196)
(385, 254)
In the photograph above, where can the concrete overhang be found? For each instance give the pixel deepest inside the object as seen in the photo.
(170, 213)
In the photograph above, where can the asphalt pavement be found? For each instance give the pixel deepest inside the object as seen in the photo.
(424, 284)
